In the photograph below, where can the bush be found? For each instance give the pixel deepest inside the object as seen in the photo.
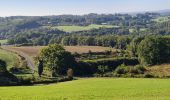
(147, 75)
(102, 69)
(121, 69)
(88, 68)
(70, 73)
(133, 70)
(140, 69)
(129, 71)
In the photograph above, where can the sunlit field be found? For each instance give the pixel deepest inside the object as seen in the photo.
(81, 28)
(92, 89)
(9, 57)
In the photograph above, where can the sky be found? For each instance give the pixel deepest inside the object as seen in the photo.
(78, 7)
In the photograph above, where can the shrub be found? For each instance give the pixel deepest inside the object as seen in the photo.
(147, 75)
(88, 68)
(121, 69)
(102, 69)
(70, 73)
(130, 71)
(133, 70)
(140, 69)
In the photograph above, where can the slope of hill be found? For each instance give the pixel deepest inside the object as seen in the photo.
(160, 70)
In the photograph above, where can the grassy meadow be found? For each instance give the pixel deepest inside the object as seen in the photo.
(74, 28)
(93, 89)
(3, 41)
(9, 57)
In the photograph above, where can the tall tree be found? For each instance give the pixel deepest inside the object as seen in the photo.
(57, 59)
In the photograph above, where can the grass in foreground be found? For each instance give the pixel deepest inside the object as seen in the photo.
(92, 89)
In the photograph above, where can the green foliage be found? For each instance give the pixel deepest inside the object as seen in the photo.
(10, 58)
(3, 42)
(132, 70)
(133, 46)
(108, 65)
(154, 50)
(57, 59)
(102, 69)
(122, 69)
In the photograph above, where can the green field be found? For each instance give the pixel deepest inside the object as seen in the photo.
(81, 28)
(3, 41)
(93, 89)
(9, 57)
(162, 19)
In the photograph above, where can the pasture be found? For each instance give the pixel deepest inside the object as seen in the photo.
(74, 28)
(93, 89)
(3, 41)
(10, 58)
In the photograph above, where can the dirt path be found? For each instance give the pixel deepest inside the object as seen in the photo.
(29, 60)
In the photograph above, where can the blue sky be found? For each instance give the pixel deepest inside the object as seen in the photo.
(58, 7)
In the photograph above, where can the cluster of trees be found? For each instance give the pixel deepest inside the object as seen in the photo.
(119, 42)
(55, 59)
(39, 36)
(45, 36)
(151, 50)
(154, 50)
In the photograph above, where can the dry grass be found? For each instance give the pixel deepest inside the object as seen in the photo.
(85, 49)
(160, 70)
(34, 50)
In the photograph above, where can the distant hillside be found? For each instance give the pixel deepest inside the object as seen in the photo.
(43, 30)
(164, 12)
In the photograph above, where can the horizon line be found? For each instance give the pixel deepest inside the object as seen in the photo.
(129, 12)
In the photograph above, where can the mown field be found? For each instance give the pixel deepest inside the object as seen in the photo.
(74, 28)
(9, 57)
(34, 50)
(93, 89)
